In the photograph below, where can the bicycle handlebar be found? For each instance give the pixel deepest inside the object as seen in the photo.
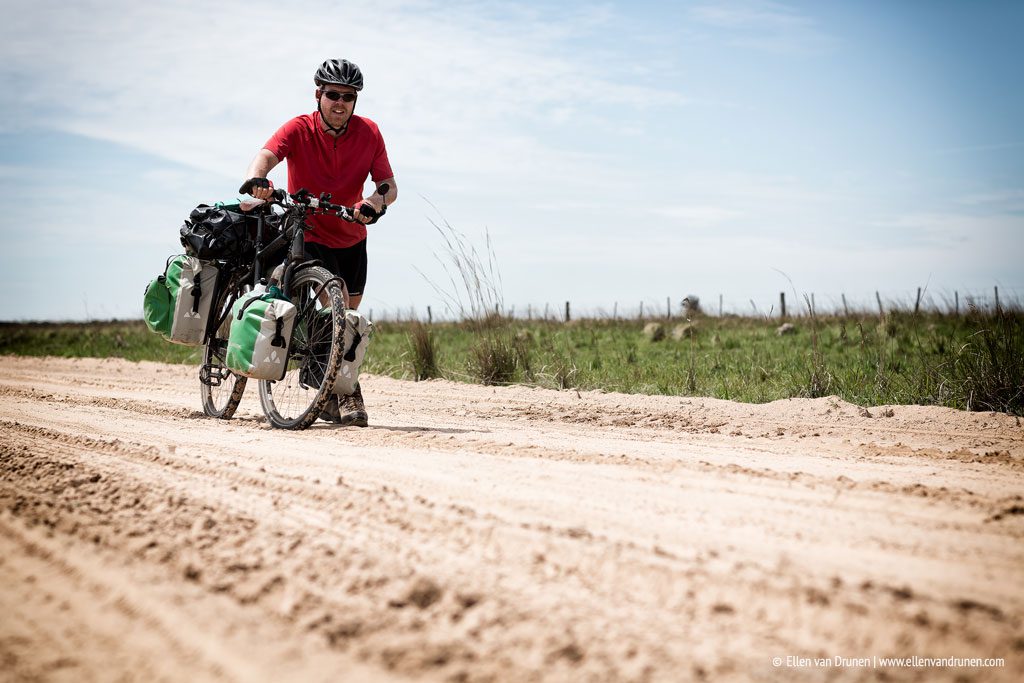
(322, 204)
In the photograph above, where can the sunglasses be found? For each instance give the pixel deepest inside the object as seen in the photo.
(334, 96)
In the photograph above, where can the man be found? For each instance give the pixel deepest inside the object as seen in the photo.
(333, 150)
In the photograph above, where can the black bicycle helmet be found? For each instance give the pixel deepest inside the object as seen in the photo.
(339, 72)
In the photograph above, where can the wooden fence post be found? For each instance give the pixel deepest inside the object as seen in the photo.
(917, 302)
(719, 305)
(668, 307)
(813, 307)
(846, 310)
(782, 305)
(566, 311)
(430, 316)
(997, 299)
(881, 311)
(956, 303)
(615, 311)
(641, 310)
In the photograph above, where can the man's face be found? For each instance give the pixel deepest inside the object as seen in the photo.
(335, 112)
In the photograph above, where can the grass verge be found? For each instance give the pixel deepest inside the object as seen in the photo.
(973, 362)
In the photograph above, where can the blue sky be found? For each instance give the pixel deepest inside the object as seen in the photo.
(615, 152)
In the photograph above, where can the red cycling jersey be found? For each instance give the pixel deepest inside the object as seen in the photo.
(320, 162)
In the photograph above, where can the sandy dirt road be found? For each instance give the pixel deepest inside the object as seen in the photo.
(505, 534)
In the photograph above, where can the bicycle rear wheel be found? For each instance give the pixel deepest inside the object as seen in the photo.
(221, 389)
(314, 354)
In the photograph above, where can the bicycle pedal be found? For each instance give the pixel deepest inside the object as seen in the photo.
(213, 375)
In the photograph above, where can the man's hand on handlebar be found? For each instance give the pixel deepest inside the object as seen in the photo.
(369, 210)
(260, 188)
(373, 207)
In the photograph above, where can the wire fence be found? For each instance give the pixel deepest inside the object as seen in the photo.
(780, 306)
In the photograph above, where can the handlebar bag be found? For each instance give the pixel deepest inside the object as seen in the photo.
(177, 304)
(355, 339)
(217, 232)
(261, 331)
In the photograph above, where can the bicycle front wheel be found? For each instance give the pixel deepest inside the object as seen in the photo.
(220, 388)
(314, 354)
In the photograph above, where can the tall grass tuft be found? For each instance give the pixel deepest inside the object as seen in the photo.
(495, 357)
(820, 381)
(424, 352)
(565, 373)
(474, 293)
(990, 366)
(498, 355)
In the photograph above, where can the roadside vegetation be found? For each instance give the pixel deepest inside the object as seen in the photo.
(973, 361)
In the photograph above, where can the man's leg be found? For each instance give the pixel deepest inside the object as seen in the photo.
(352, 410)
(350, 265)
(328, 259)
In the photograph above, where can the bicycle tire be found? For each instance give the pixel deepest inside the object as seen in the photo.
(314, 353)
(221, 398)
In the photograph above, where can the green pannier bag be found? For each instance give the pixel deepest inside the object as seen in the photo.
(177, 304)
(261, 329)
(358, 330)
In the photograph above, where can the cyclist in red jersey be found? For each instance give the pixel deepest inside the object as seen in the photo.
(333, 150)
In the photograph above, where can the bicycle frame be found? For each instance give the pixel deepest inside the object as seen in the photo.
(297, 207)
(254, 272)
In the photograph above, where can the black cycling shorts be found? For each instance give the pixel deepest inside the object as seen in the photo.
(348, 263)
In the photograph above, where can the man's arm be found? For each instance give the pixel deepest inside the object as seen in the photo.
(389, 198)
(261, 165)
(376, 201)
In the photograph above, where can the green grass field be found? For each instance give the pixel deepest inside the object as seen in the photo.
(974, 361)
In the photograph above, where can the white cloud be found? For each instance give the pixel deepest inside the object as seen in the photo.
(1000, 200)
(756, 14)
(989, 240)
(763, 25)
(697, 216)
(999, 146)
